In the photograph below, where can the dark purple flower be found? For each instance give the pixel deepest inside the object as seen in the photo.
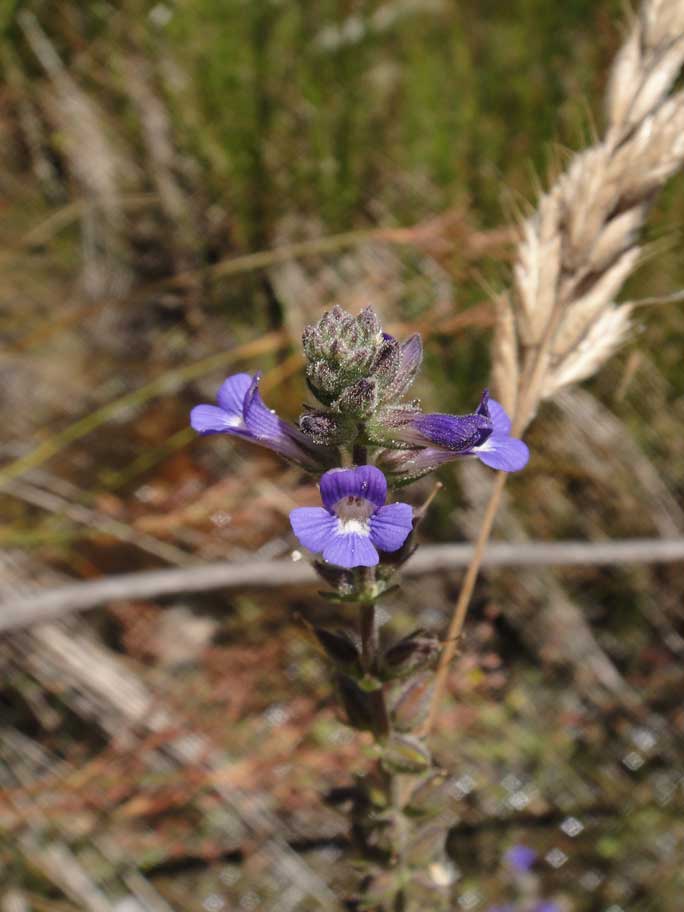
(241, 412)
(520, 858)
(353, 523)
(485, 434)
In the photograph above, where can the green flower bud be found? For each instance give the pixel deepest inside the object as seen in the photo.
(410, 700)
(432, 796)
(322, 381)
(326, 428)
(369, 323)
(345, 354)
(343, 581)
(386, 364)
(427, 845)
(310, 342)
(358, 401)
(340, 350)
(340, 648)
(359, 705)
(405, 754)
(416, 652)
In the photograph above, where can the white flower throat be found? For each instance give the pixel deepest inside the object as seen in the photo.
(353, 515)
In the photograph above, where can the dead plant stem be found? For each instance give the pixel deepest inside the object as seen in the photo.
(464, 596)
(527, 397)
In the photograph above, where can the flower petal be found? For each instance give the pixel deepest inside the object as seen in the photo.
(243, 413)
(210, 419)
(454, 432)
(350, 550)
(503, 452)
(412, 354)
(261, 422)
(499, 416)
(365, 481)
(231, 395)
(267, 429)
(313, 526)
(391, 526)
(411, 357)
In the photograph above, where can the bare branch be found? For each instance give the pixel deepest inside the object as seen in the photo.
(54, 603)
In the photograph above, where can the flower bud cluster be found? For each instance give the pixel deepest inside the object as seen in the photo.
(353, 369)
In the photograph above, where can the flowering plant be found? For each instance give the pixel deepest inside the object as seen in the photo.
(361, 439)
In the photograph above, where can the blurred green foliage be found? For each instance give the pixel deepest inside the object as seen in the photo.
(334, 106)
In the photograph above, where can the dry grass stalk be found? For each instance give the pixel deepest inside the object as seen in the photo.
(561, 323)
(580, 245)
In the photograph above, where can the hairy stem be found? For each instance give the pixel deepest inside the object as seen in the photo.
(370, 646)
(360, 450)
(369, 636)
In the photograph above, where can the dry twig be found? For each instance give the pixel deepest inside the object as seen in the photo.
(38, 607)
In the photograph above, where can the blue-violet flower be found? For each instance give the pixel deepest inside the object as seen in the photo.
(354, 522)
(520, 858)
(485, 434)
(242, 412)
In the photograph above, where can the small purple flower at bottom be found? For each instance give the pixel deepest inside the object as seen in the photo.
(354, 523)
(520, 858)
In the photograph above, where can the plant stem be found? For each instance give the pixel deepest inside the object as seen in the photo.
(369, 636)
(360, 450)
(369, 653)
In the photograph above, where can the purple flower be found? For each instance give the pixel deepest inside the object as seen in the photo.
(485, 434)
(520, 858)
(353, 523)
(241, 412)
